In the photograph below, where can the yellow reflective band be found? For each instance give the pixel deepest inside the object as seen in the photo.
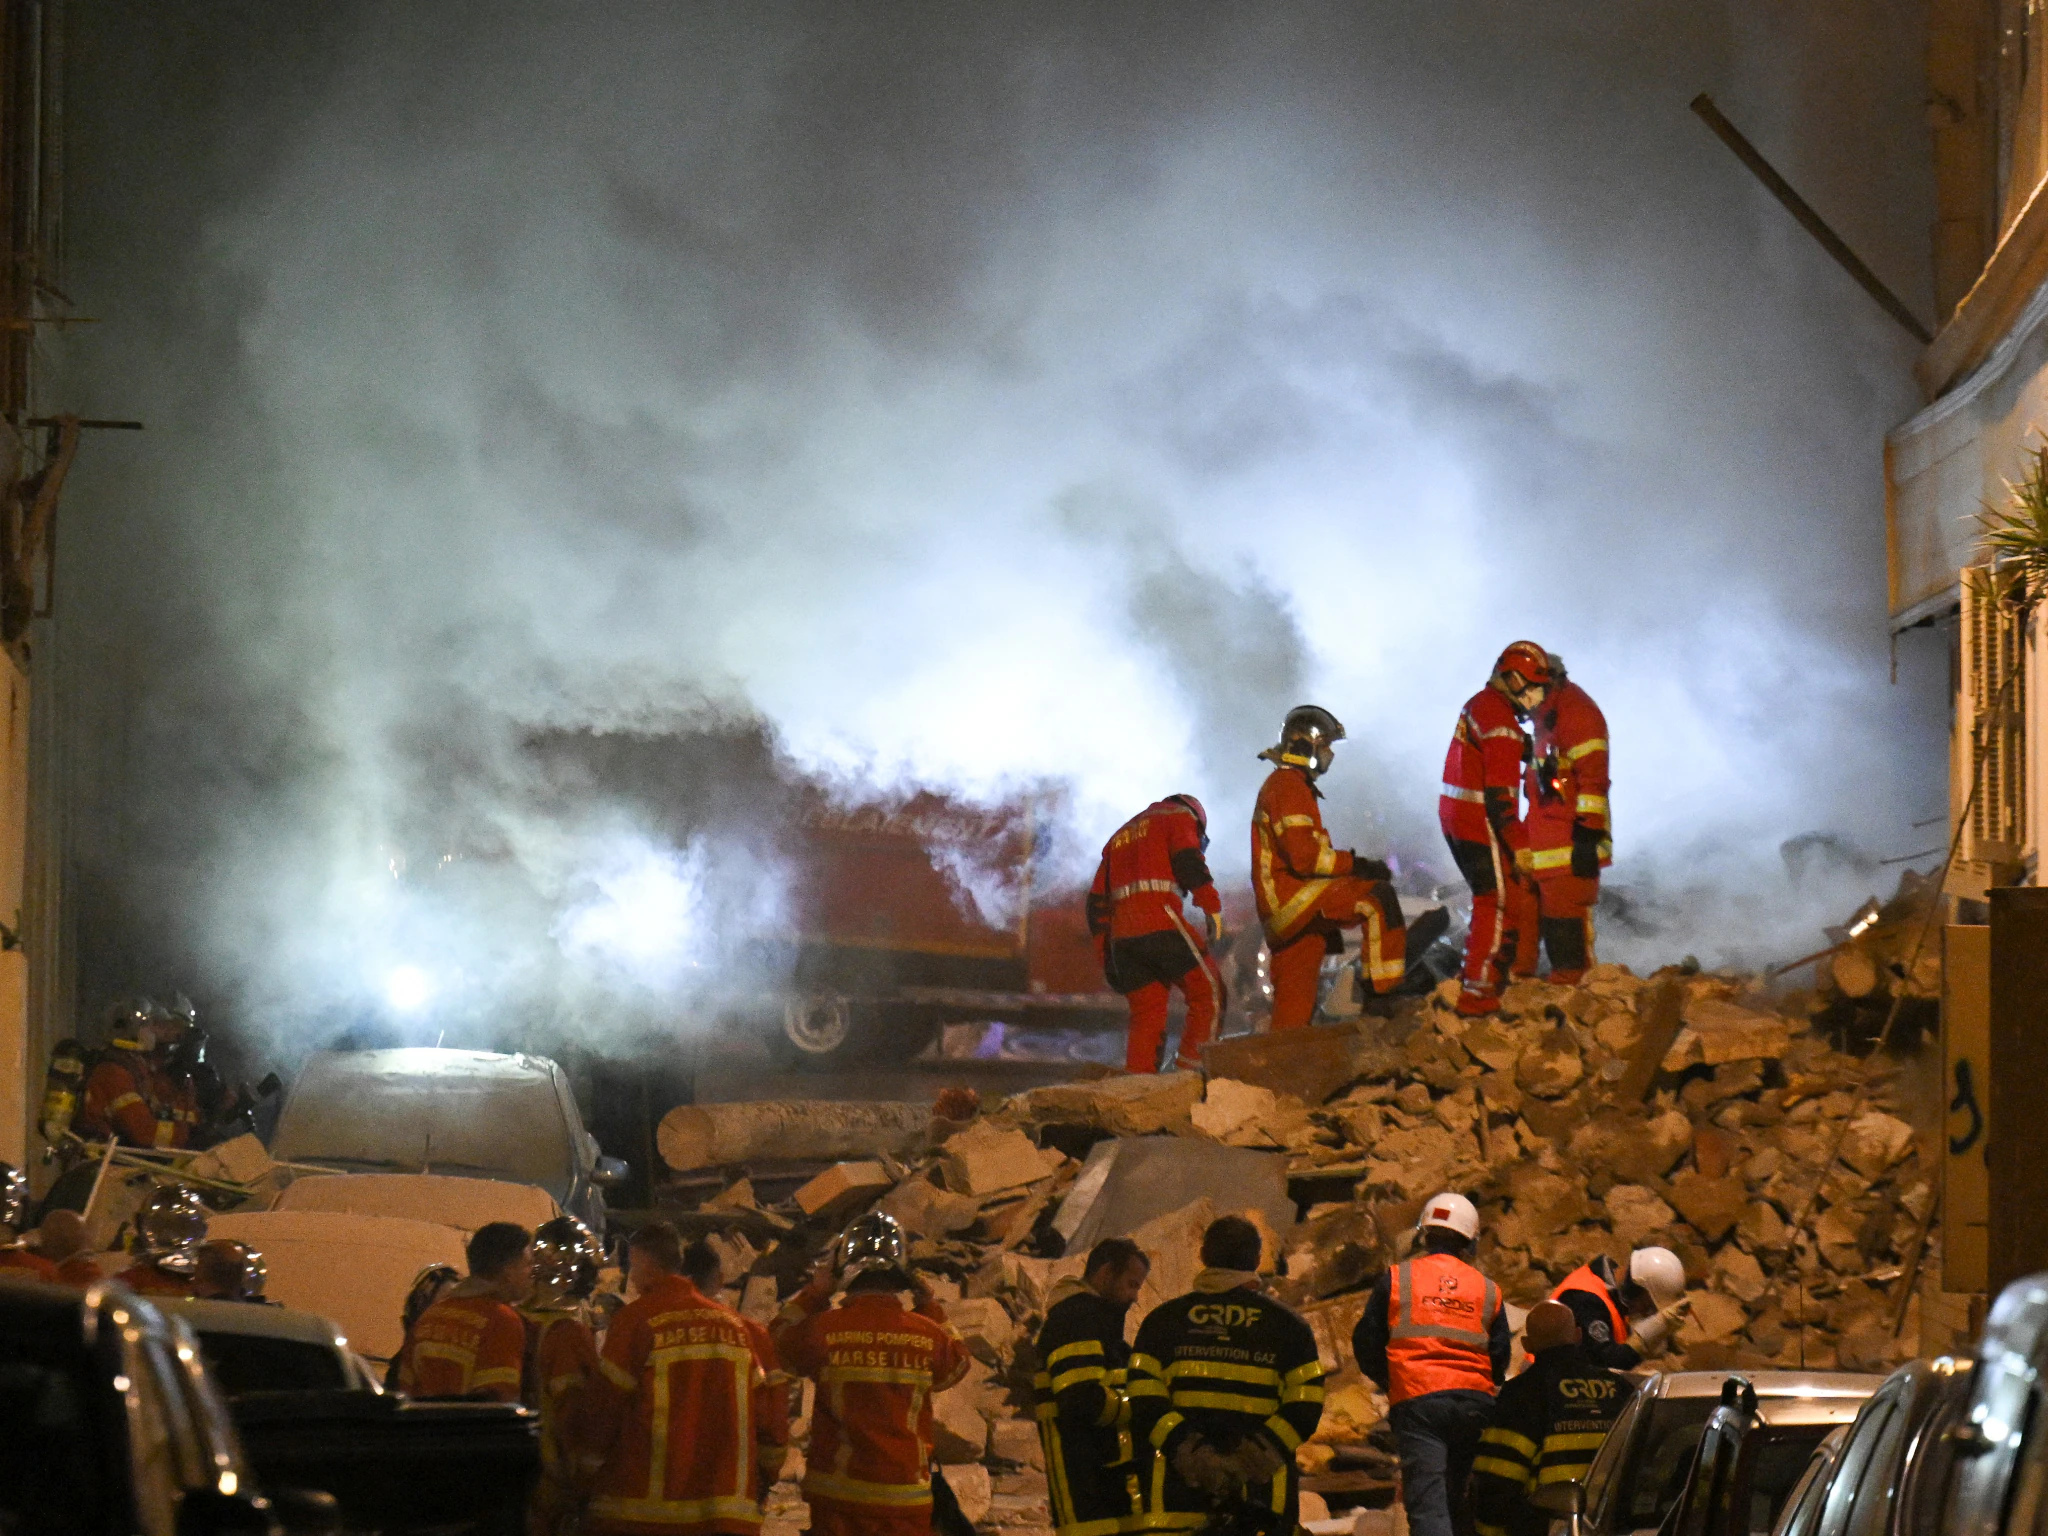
(125, 1100)
(1586, 748)
(1507, 1437)
(1227, 1402)
(1209, 1370)
(835, 1374)
(675, 1511)
(1311, 1372)
(1312, 1394)
(1138, 887)
(1287, 822)
(499, 1376)
(1147, 1388)
(1469, 796)
(1591, 1440)
(1288, 1436)
(1144, 1363)
(1513, 1471)
(1113, 1406)
(1170, 1520)
(1090, 1528)
(1566, 1474)
(1326, 858)
(1489, 1530)
(1078, 1347)
(1592, 805)
(1551, 858)
(1077, 1375)
(854, 1491)
(1168, 1423)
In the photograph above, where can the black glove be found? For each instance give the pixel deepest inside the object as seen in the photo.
(1586, 850)
(1370, 869)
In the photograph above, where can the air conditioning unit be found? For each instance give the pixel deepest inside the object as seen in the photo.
(1990, 752)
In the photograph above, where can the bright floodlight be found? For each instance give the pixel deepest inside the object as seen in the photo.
(407, 988)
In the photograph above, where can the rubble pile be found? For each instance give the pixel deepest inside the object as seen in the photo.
(1684, 1110)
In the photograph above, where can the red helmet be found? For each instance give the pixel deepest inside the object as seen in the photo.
(1195, 808)
(1524, 674)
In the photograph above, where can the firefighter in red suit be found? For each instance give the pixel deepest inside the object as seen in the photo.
(1480, 811)
(1307, 891)
(1570, 839)
(1147, 945)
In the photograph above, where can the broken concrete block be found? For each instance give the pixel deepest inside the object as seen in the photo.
(985, 1160)
(1838, 1234)
(843, 1187)
(959, 1429)
(1457, 1112)
(1350, 1411)
(1306, 1064)
(714, 1135)
(1550, 1066)
(759, 1301)
(1762, 1228)
(1133, 1180)
(1713, 1319)
(736, 1196)
(1229, 1106)
(1016, 1440)
(1710, 1206)
(1636, 1212)
(1418, 1163)
(1875, 1141)
(1493, 1047)
(1547, 1200)
(972, 1488)
(1532, 999)
(1712, 1152)
(1136, 1104)
(1726, 1032)
(242, 1159)
(1739, 1274)
(928, 1211)
(984, 1327)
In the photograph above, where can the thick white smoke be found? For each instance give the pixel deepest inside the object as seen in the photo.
(983, 398)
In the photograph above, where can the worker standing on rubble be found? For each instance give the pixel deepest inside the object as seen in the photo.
(1547, 1425)
(1225, 1385)
(1623, 1317)
(1570, 837)
(1142, 933)
(1084, 1414)
(675, 1408)
(771, 1417)
(1435, 1337)
(1480, 812)
(135, 1093)
(561, 1365)
(472, 1342)
(877, 1365)
(1308, 891)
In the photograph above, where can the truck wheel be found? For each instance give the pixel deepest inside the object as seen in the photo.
(816, 1030)
(823, 1032)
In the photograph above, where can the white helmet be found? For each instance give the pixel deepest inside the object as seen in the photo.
(1658, 1271)
(1452, 1211)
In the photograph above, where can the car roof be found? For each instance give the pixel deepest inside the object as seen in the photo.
(1814, 1384)
(257, 1319)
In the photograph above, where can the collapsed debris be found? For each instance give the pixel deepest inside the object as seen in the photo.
(1690, 1111)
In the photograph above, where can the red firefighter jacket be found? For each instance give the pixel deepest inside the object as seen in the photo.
(877, 1365)
(564, 1374)
(771, 1404)
(1440, 1313)
(126, 1097)
(1483, 773)
(680, 1390)
(464, 1346)
(145, 1279)
(1568, 778)
(1293, 862)
(1154, 857)
(33, 1265)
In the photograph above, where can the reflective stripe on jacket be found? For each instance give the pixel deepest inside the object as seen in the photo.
(1482, 782)
(1145, 866)
(1568, 778)
(1547, 1426)
(1440, 1313)
(1293, 862)
(1084, 1414)
(465, 1346)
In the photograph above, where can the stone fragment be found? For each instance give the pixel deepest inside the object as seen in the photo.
(844, 1187)
(1762, 1228)
(1728, 1032)
(1612, 981)
(1016, 1440)
(1229, 1107)
(1739, 1274)
(929, 1211)
(1418, 1163)
(1635, 1213)
(1532, 999)
(1492, 1046)
(1619, 1030)
(959, 1432)
(1350, 1411)
(1875, 1141)
(1500, 1093)
(1710, 1206)
(1136, 1104)
(1838, 1232)
(1547, 1200)
(1550, 1066)
(1712, 1152)
(1436, 1058)
(984, 1160)
(1712, 1319)
(1308, 1065)
(1635, 1150)
(1456, 1112)
(984, 1327)
(972, 1488)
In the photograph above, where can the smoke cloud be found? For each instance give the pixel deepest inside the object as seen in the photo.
(997, 398)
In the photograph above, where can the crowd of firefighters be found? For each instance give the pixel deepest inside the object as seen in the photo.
(1523, 806)
(665, 1412)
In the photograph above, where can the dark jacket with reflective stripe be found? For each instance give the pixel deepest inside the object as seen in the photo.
(1084, 1418)
(1547, 1426)
(1225, 1364)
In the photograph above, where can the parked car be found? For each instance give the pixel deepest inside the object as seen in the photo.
(1890, 1474)
(1648, 1457)
(1802, 1505)
(310, 1412)
(477, 1114)
(2001, 1462)
(110, 1424)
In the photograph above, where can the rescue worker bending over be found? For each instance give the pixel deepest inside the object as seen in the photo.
(135, 1093)
(1309, 892)
(471, 1342)
(1435, 1337)
(1480, 812)
(1147, 945)
(168, 1231)
(877, 1365)
(1547, 1426)
(17, 1258)
(562, 1369)
(1570, 835)
(1623, 1317)
(675, 1409)
(771, 1418)
(1225, 1385)
(1084, 1417)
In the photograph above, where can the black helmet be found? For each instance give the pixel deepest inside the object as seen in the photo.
(1308, 739)
(566, 1260)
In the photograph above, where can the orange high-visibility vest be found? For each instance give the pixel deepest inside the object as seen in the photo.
(1440, 1313)
(1584, 1279)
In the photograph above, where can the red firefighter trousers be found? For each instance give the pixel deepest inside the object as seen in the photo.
(1297, 960)
(1563, 924)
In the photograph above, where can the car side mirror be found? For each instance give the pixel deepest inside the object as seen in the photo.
(209, 1512)
(611, 1171)
(1560, 1498)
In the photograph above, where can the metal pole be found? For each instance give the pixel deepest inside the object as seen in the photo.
(1811, 222)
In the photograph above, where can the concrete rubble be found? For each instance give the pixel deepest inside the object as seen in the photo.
(1689, 1110)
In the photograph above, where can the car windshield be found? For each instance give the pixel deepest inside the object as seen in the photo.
(52, 1477)
(1661, 1457)
(247, 1362)
(1777, 1457)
